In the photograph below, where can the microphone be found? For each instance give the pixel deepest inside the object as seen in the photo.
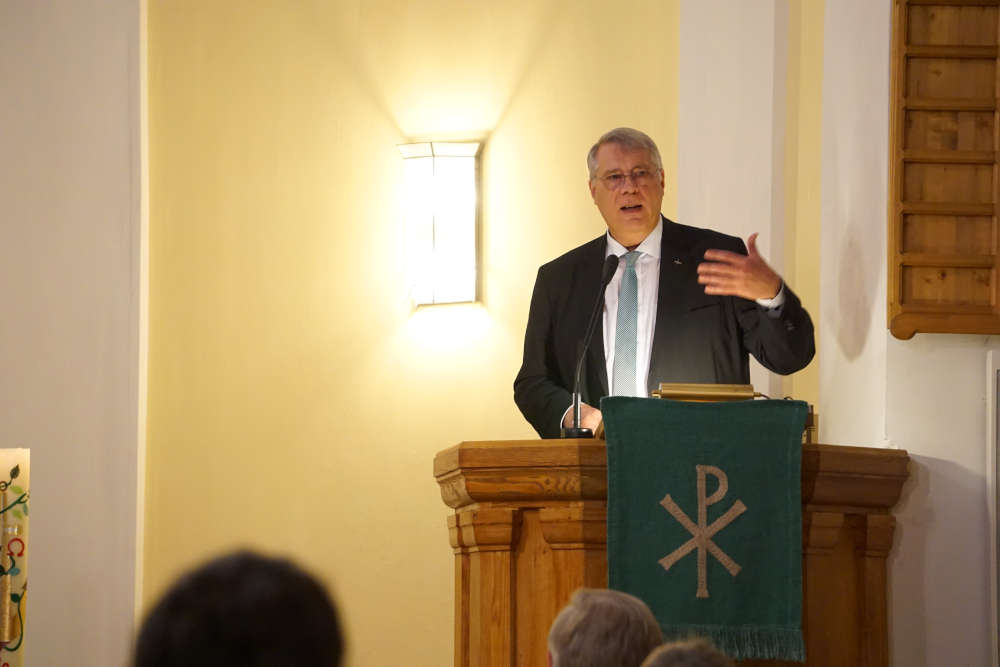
(610, 265)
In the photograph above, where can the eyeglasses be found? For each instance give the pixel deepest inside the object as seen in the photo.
(640, 177)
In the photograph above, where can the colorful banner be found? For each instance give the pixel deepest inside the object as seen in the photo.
(14, 496)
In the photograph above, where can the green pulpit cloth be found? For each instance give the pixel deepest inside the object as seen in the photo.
(705, 519)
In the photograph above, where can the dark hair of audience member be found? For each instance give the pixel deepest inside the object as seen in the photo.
(242, 609)
(687, 653)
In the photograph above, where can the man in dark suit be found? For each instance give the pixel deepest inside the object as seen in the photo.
(669, 316)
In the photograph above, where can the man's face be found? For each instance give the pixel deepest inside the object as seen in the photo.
(628, 189)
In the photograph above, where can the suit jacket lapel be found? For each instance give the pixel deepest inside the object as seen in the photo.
(677, 265)
(596, 365)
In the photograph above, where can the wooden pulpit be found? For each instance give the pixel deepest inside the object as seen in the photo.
(529, 528)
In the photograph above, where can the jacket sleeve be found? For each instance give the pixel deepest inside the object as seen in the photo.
(783, 344)
(538, 390)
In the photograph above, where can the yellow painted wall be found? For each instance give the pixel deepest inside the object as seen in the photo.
(803, 172)
(295, 400)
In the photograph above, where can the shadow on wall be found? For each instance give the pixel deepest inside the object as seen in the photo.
(856, 294)
(853, 228)
(907, 563)
(941, 533)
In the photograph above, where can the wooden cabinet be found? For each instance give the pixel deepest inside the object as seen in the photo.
(529, 528)
(942, 237)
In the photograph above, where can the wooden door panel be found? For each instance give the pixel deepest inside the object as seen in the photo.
(948, 183)
(947, 235)
(943, 25)
(947, 286)
(950, 78)
(949, 130)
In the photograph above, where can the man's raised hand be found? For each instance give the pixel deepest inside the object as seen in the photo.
(732, 274)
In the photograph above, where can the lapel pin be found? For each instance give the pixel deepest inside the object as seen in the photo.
(677, 261)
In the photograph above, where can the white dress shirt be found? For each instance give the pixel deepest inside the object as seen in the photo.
(647, 271)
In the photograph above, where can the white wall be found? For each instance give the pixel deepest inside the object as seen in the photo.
(925, 395)
(852, 331)
(731, 126)
(936, 410)
(69, 268)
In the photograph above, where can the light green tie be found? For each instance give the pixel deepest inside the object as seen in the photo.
(623, 371)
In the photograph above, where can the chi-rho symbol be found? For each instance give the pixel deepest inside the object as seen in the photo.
(702, 532)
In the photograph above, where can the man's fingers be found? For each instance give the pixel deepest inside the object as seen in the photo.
(726, 284)
(725, 256)
(717, 269)
(730, 273)
(719, 282)
(717, 255)
(591, 419)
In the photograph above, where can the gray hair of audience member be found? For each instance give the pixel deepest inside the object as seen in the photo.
(242, 609)
(628, 138)
(603, 628)
(688, 653)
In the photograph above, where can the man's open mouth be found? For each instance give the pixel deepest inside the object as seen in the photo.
(634, 207)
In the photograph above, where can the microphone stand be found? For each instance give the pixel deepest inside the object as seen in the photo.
(576, 431)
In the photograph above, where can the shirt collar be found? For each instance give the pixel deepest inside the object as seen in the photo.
(650, 245)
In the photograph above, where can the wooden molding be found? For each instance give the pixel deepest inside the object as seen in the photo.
(821, 531)
(533, 471)
(522, 471)
(579, 527)
(879, 531)
(493, 529)
(863, 478)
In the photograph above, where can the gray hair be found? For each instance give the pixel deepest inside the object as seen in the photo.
(690, 653)
(626, 137)
(603, 628)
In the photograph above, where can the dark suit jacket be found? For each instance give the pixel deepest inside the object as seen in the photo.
(697, 337)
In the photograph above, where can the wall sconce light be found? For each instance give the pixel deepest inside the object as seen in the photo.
(440, 203)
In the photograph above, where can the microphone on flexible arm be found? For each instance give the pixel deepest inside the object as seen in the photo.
(575, 431)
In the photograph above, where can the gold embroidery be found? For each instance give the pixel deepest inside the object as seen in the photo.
(701, 532)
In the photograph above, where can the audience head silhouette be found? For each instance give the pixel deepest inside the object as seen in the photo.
(242, 609)
(603, 628)
(691, 653)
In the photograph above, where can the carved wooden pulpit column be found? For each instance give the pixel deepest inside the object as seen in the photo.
(530, 527)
